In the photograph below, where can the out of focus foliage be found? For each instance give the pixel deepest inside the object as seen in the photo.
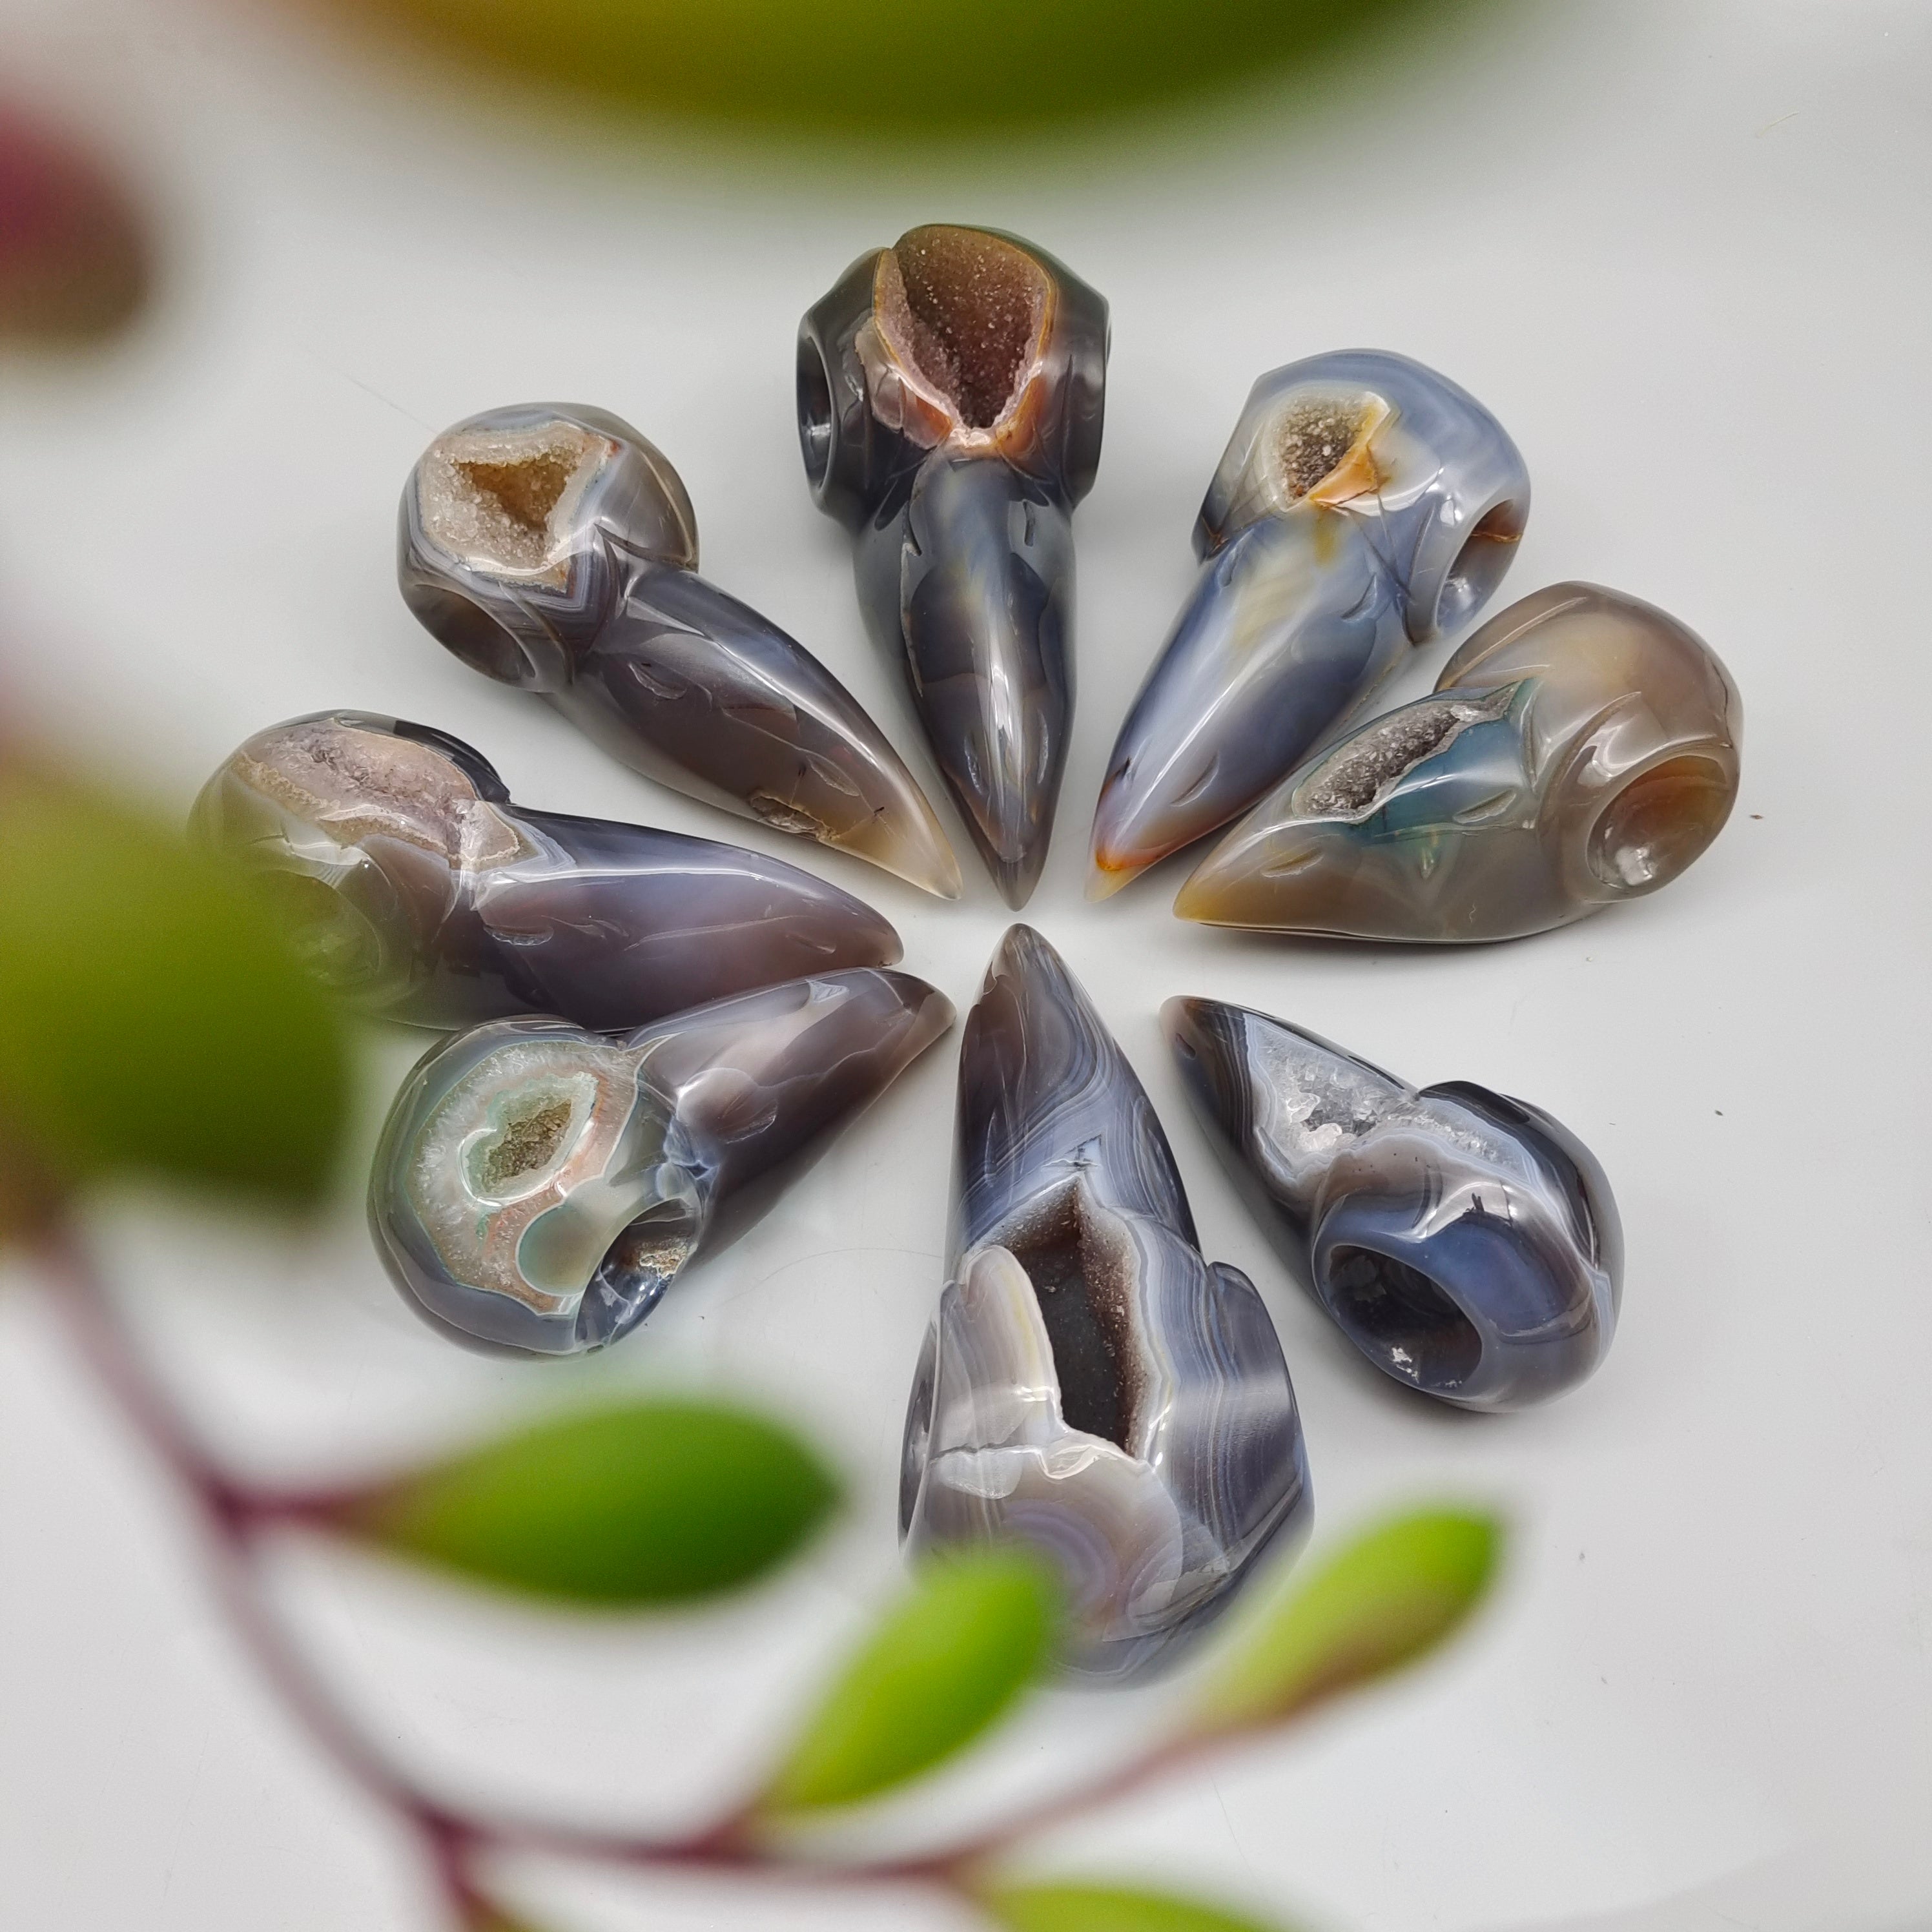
(919, 67)
(647, 1503)
(1094, 1908)
(74, 263)
(943, 1666)
(151, 1020)
(1385, 1600)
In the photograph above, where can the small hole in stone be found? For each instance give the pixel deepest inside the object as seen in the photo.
(1659, 824)
(1480, 566)
(969, 307)
(467, 631)
(641, 1264)
(1402, 1319)
(330, 937)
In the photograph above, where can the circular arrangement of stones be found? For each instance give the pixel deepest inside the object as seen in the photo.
(648, 1035)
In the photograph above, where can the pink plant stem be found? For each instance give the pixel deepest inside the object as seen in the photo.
(233, 1519)
(236, 1517)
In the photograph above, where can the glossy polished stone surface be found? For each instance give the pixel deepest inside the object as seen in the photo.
(539, 1186)
(1364, 504)
(411, 882)
(1582, 749)
(553, 548)
(949, 398)
(1090, 1385)
(1465, 1242)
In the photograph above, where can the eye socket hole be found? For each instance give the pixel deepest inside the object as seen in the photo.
(1659, 824)
(330, 937)
(641, 1264)
(1480, 566)
(814, 412)
(1401, 1320)
(465, 629)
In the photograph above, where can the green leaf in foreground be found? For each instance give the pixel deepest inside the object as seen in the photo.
(654, 1502)
(1088, 1908)
(823, 67)
(941, 1667)
(152, 1019)
(486, 1916)
(1391, 1595)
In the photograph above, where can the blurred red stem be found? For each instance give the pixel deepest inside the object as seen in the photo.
(235, 1518)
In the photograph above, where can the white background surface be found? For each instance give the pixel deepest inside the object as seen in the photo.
(1681, 249)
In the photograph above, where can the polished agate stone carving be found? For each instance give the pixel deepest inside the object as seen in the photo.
(1091, 1386)
(554, 549)
(1465, 1243)
(1581, 748)
(949, 392)
(1364, 504)
(539, 1186)
(410, 882)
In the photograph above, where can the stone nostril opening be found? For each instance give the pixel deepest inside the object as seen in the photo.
(639, 1265)
(1402, 1319)
(1480, 566)
(969, 307)
(1659, 824)
(814, 412)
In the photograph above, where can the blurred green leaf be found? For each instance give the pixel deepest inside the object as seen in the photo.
(928, 67)
(940, 1668)
(486, 1916)
(1086, 1908)
(1390, 1596)
(152, 1019)
(653, 1502)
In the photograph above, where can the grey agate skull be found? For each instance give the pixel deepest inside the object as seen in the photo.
(539, 1186)
(410, 882)
(1582, 749)
(949, 407)
(1091, 1386)
(1364, 505)
(1465, 1243)
(552, 547)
